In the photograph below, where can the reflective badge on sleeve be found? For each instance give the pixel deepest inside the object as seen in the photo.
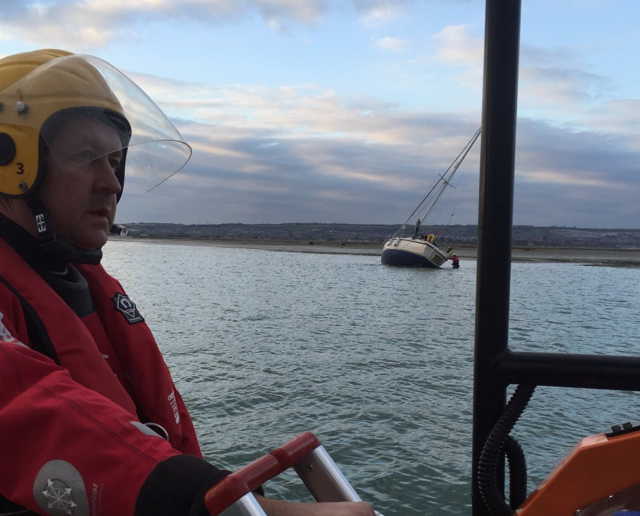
(5, 336)
(128, 308)
(59, 490)
(174, 406)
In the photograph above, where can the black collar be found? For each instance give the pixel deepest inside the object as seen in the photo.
(63, 277)
(27, 246)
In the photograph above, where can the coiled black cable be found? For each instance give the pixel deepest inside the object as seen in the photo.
(498, 442)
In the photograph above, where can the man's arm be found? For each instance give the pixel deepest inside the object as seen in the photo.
(60, 437)
(284, 508)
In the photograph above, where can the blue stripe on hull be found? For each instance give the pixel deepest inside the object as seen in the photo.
(404, 259)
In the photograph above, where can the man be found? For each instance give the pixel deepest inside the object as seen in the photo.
(91, 422)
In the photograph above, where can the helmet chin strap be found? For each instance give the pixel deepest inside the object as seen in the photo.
(54, 246)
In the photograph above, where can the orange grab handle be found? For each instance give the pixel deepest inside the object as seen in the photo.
(247, 479)
(295, 450)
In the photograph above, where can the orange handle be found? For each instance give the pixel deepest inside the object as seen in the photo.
(247, 479)
(295, 450)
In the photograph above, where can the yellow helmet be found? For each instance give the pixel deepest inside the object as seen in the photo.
(38, 89)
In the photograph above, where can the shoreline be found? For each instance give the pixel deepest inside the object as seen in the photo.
(585, 255)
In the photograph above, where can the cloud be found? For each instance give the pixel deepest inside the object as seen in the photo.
(377, 13)
(556, 81)
(306, 154)
(300, 154)
(394, 44)
(10, 8)
(620, 117)
(575, 177)
(93, 24)
(457, 47)
(304, 111)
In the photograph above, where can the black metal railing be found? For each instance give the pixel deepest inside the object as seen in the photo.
(496, 366)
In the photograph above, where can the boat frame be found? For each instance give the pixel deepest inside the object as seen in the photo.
(496, 367)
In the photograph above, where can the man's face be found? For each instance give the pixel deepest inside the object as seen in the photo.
(80, 185)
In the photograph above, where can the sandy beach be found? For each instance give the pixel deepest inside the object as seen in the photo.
(586, 256)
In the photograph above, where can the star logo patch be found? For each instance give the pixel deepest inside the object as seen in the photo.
(59, 497)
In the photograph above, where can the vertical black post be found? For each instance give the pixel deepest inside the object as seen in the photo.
(499, 112)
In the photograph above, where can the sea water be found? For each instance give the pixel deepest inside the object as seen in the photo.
(376, 361)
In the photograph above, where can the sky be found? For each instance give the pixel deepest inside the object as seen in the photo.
(346, 111)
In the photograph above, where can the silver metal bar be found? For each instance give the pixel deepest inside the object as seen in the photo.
(323, 478)
(245, 506)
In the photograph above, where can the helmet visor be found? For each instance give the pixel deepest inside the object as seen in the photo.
(51, 95)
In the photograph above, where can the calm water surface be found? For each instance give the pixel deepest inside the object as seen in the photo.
(376, 361)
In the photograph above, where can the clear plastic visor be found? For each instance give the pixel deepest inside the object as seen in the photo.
(66, 95)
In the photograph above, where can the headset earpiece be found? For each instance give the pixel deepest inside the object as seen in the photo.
(7, 149)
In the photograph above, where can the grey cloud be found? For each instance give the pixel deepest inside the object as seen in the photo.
(263, 177)
(95, 24)
(302, 180)
(556, 77)
(595, 181)
(12, 9)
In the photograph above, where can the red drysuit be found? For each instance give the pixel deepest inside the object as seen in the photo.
(72, 439)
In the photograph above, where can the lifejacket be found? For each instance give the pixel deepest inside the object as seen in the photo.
(111, 351)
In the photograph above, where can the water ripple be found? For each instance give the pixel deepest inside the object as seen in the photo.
(376, 361)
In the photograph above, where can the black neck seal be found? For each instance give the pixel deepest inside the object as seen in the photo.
(54, 246)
